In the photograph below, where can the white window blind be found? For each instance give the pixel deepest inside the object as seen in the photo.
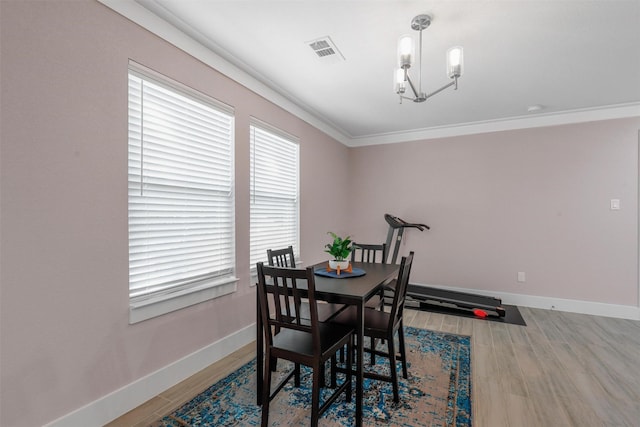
(274, 191)
(181, 194)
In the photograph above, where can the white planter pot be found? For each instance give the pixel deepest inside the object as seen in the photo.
(333, 264)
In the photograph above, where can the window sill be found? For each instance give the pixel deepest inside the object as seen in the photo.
(146, 308)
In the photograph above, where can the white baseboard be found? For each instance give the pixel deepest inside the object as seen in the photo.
(121, 401)
(560, 304)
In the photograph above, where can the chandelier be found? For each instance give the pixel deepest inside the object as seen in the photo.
(406, 54)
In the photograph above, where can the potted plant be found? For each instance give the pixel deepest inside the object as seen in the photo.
(340, 249)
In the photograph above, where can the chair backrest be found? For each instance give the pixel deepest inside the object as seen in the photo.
(362, 252)
(400, 294)
(281, 257)
(280, 292)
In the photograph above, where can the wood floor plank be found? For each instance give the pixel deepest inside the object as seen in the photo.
(595, 397)
(485, 363)
(540, 345)
(482, 334)
(419, 319)
(558, 379)
(409, 315)
(435, 321)
(521, 412)
(489, 408)
(550, 410)
(518, 335)
(580, 414)
(450, 324)
(465, 326)
(550, 329)
(507, 361)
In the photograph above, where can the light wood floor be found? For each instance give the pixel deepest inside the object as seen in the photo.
(562, 369)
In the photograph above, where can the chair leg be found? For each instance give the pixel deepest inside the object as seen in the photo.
(334, 374)
(373, 349)
(315, 395)
(296, 379)
(403, 353)
(266, 392)
(323, 381)
(349, 372)
(393, 369)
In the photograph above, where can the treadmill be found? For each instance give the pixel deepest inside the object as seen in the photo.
(426, 297)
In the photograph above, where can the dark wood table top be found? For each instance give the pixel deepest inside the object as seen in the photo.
(354, 289)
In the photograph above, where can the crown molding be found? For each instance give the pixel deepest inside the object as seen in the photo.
(168, 32)
(608, 112)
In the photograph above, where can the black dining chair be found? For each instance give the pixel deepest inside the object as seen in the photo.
(306, 342)
(285, 258)
(385, 325)
(377, 253)
(366, 252)
(281, 257)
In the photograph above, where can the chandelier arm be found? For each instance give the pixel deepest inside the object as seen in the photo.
(454, 82)
(413, 88)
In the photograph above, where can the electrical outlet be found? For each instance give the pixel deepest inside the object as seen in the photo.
(521, 277)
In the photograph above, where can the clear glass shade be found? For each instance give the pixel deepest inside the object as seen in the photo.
(455, 62)
(406, 51)
(399, 84)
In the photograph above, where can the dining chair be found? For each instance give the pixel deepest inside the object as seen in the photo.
(371, 252)
(302, 341)
(366, 252)
(385, 325)
(281, 257)
(284, 258)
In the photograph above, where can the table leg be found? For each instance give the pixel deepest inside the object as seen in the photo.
(259, 351)
(359, 364)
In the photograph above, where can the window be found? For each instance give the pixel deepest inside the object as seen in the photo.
(181, 196)
(273, 192)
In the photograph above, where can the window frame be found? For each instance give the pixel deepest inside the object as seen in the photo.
(192, 291)
(286, 138)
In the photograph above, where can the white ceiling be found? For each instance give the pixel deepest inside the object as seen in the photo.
(569, 56)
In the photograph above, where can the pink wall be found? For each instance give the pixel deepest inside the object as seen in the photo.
(65, 338)
(533, 201)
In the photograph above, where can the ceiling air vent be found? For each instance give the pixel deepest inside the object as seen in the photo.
(326, 50)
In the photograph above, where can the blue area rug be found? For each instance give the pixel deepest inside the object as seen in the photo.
(437, 393)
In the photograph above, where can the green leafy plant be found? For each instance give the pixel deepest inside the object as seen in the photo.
(340, 248)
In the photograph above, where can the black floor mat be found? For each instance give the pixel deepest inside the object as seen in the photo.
(512, 314)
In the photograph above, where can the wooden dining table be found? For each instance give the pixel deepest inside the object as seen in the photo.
(354, 291)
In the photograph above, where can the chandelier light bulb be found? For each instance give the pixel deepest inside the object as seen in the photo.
(406, 51)
(454, 62)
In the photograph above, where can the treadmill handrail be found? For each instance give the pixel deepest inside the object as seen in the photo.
(396, 222)
(399, 224)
